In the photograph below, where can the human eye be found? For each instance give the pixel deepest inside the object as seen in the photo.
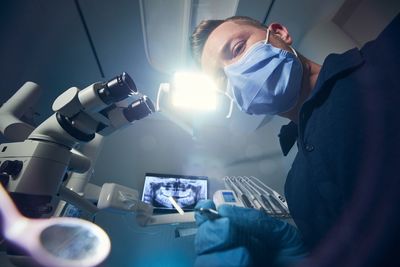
(238, 48)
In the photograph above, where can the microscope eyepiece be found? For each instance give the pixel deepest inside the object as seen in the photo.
(117, 89)
(139, 109)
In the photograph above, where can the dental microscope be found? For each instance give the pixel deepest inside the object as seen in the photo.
(47, 169)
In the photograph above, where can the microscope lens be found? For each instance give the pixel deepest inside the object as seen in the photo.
(117, 89)
(128, 82)
(139, 109)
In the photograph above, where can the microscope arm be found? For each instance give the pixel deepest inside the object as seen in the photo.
(117, 198)
(110, 196)
(14, 109)
(77, 200)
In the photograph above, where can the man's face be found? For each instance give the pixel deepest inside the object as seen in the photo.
(228, 43)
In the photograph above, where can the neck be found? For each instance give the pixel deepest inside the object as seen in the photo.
(310, 75)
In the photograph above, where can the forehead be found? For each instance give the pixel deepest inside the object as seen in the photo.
(211, 59)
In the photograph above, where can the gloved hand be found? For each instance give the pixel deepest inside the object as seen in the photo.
(245, 237)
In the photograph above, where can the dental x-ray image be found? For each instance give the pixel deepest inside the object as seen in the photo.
(186, 190)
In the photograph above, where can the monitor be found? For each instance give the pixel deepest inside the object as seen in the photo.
(186, 190)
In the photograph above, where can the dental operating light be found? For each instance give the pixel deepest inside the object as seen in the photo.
(195, 91)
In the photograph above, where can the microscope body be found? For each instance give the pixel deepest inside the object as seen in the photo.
(37, 173)
(34, 169)
(48, 167)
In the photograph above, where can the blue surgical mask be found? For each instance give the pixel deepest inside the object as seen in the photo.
(266, 80)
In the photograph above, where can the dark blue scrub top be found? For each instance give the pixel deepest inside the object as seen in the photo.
(331, 132)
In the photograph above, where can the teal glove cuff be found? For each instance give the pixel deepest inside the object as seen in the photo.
(269, 241)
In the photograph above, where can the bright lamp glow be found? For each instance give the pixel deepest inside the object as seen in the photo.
(194, 91)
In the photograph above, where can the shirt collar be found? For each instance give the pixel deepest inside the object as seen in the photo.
(334, 65)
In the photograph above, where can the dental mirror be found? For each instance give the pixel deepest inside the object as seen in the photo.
(54, 242)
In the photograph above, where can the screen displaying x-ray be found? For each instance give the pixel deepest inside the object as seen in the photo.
(186, 190)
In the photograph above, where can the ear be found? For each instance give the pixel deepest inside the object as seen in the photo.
(281, 31)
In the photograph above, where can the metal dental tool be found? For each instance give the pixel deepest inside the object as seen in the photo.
(211, 214)
(55, 242)
(239, 182)
(255, 194)
(275, 197)
(265, 204)
(245, 200)
(266, 200)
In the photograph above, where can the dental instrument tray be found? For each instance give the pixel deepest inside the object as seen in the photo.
(253, 193)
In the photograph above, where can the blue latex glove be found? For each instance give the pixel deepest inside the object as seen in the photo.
(245, 237)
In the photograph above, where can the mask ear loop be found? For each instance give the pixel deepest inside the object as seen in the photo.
(291, 48)
(230, 106)
(267, 38)
(294, 51)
